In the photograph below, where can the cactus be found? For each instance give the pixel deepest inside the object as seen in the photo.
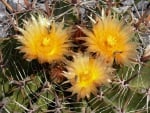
(47, 87)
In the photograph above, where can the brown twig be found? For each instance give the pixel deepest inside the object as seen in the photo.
(47, 8)
(34, 3)
(28, 4)
(142, 18)
(8, 6)
(109, 3)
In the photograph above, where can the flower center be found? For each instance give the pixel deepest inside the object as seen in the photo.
(111, 41)
(84, 79)
(45, 41)
(84, 75)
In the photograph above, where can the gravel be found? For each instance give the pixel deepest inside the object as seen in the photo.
(19, 5)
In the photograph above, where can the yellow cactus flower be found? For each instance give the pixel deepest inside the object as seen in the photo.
(43, 39)
(86, 74)
(111, 39)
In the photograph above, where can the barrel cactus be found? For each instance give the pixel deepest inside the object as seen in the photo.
(75, 56)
